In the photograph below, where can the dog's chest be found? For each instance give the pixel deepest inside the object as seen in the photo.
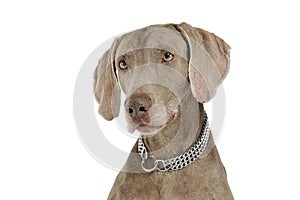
(187, 183)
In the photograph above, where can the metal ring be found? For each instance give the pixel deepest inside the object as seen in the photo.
(144, 154)
(151, 169)
(163, 168)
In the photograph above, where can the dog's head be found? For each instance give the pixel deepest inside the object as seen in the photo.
(156, 67)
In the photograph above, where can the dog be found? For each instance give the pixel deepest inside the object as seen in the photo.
(166, 72)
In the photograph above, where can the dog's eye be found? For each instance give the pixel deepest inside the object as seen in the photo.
(122, 64)
(168, 57)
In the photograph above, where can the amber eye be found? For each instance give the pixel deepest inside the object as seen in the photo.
(168, 57)
(122, 64)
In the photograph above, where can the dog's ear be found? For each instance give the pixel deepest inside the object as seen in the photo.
(208, 61)
(106, 88)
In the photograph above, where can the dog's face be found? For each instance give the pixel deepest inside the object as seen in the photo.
(156, 67)
(141, 66)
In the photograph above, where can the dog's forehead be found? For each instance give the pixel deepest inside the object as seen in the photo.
(153, 38)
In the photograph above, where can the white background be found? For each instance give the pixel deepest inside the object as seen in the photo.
(44, 43)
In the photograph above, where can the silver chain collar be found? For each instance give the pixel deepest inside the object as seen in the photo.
(179, 161)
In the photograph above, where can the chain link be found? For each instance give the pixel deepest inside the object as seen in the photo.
(180, 161)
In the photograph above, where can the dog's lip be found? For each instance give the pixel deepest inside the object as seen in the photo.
(171, 117)
(146, 125)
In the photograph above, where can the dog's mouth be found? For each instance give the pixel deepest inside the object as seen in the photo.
(150, 128)
(171, 117)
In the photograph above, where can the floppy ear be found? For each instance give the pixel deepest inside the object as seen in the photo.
(208, 61)
(106, 88)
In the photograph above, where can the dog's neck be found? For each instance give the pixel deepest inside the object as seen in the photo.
(179, 135)
(174, 139)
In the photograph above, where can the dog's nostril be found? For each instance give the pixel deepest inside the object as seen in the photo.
(130, 110)
(142, 109)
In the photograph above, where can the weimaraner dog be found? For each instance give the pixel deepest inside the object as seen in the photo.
(166, 72)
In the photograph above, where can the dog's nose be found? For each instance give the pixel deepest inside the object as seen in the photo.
(138, 105)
